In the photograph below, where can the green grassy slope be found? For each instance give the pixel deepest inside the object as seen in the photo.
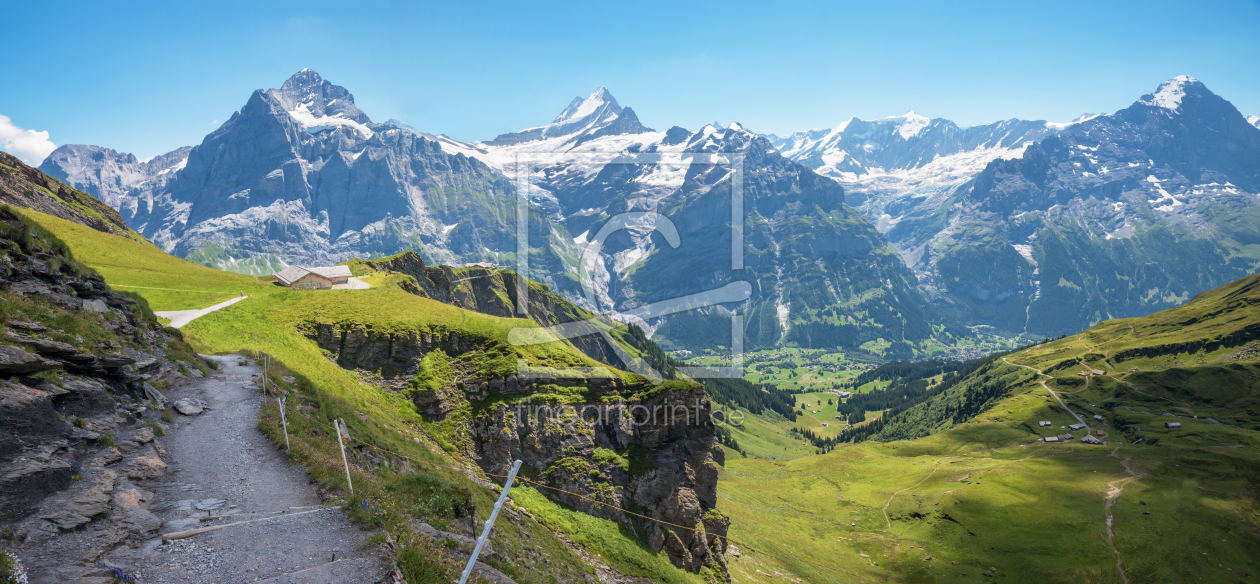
(273, 321)
(136, 265)
(987, 493)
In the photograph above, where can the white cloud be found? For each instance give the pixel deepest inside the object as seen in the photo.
(28, 146)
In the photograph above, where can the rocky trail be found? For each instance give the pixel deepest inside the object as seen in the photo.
(215, 463)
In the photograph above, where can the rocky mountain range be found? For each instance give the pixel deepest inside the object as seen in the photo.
(1047, 228)
(108, 174)
(873, 229)
(300, 174)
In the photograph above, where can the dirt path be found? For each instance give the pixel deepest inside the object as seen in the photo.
(1114, 488)
(179, 318)
(352, 284)
(223, 465)
(894, 495)
(1078, 417)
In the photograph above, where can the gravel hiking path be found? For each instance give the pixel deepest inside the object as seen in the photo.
(223, 465)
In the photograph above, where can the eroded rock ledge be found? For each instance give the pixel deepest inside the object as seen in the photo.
(616, 447)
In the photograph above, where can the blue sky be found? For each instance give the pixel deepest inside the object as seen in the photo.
(149, 78)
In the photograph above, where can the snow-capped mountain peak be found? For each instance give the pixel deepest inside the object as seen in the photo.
(1171, 92)
(597, 114)
(1254, 120)
(911, 124)
(319, 106)
(580, 108)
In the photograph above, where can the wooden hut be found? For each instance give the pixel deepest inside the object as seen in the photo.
(299, 278)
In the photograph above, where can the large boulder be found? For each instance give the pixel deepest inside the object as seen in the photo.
(81, 508)
(86, 398)
(189, 406)
(131, 505)
(16, 361)
(26, 414)
(148, 465)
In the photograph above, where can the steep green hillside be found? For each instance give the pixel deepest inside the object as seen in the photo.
(1154, 504)
(407, 467)
(494, 291)
(135, 265)
(26, 187)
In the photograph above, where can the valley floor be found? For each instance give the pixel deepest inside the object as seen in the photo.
(914, 512)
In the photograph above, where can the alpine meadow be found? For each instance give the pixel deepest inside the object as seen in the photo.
(390, 321)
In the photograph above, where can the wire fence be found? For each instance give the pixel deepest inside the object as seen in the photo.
(465, 470)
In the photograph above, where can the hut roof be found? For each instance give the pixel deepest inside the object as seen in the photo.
(291, 274)
(331, 272)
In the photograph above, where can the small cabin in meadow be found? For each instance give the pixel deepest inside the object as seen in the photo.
(1075, 427)
(1172, 424)
(1087, 439)
(318, 278)
(299, 278)
(1098, 418)
(1051, 439)
(1043, 423)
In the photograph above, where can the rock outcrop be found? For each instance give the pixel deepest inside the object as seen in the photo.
(655, 456)
(79, 363)
(649, 450)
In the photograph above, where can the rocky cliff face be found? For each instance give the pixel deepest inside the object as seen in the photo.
(650, 450)
(1117, 216)
(107, 174)
(1048, 228)
(656, 456)
(82, 370)
(821, 274)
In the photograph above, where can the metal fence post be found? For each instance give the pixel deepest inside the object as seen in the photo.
(284, 421)
(485, 533)
(341, 427)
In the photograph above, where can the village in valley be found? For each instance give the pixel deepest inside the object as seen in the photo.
(820, 380)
